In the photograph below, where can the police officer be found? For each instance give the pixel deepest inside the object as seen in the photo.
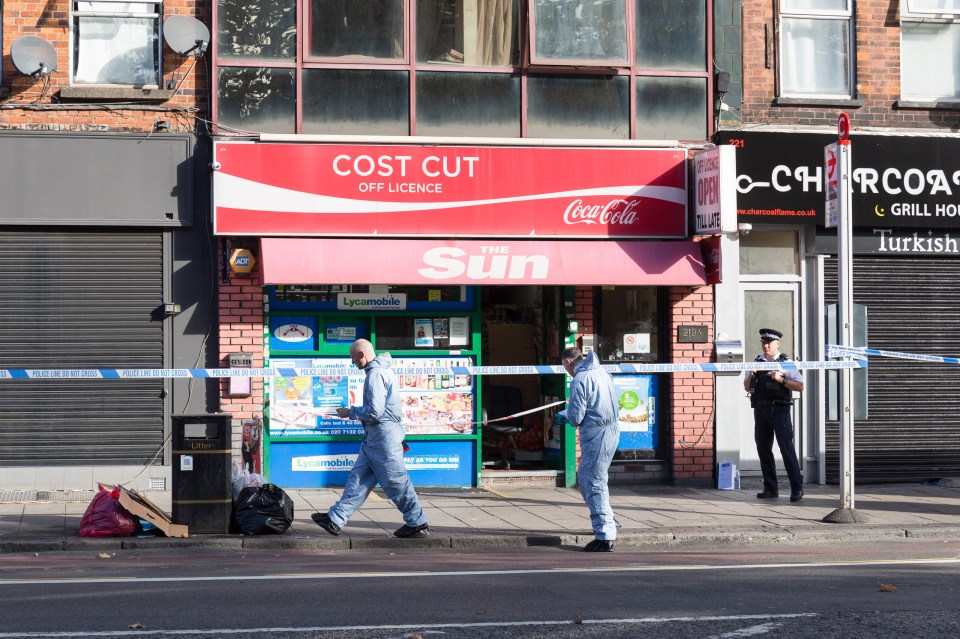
(771, 396)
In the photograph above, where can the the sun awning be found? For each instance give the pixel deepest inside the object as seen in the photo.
(520, 262)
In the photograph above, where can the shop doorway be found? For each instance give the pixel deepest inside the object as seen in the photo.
(521, 325)
(771, 305)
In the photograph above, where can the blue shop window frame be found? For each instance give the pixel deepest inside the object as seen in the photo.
(469, 304)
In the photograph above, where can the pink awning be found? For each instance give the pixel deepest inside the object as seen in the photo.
(521, 262)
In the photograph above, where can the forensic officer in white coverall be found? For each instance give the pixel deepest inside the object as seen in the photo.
(381, 453)
(593, 408)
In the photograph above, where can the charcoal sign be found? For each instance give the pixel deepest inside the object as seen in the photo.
(898, 181)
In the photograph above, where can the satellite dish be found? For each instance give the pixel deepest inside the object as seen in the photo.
(185, 35)
(32, 55)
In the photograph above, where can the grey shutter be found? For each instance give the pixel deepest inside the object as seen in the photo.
(79, 299)
(913, 306)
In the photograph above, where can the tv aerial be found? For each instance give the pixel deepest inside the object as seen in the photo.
(186, 35)
(33, 56)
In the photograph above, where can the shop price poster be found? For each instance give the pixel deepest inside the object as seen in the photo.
(431, 403)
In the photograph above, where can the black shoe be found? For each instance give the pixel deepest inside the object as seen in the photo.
(323, 520)
(767, 494)
(797, 496)
(412, 532)
(599, 545)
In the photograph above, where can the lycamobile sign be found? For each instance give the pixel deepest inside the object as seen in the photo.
(371, 301)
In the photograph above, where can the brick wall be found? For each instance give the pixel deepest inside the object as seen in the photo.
(877, 74)
(27, 105)
(691, 394)
(241, 331)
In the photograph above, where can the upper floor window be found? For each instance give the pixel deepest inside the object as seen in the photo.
(116, 43)
(494, 68)
(930, 31)
(815, 48)
(582, 32)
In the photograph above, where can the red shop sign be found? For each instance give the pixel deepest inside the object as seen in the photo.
(316, 189)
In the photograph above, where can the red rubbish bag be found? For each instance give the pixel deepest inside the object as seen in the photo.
(105, 517)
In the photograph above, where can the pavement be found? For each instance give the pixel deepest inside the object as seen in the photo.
(517, 516)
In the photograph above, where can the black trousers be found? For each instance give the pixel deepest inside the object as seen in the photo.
(774, 422)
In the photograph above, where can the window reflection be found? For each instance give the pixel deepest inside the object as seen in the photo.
(581, 30)
(257, 99)
(476, 104)
(671, 108)
(369, 102)
(257, 30)
(672, 35)
(371, 28)
(578, 107)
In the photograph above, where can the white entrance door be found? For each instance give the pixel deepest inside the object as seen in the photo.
(768, 305)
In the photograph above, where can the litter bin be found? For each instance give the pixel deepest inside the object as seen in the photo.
(202, 499)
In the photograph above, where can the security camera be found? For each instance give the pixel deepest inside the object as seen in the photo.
(744, 228)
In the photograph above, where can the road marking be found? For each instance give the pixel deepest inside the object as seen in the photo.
(477, 573)
(428, 626)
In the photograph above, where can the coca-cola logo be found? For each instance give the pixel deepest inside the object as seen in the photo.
(617, 212)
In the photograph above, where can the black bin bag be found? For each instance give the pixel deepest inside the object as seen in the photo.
(262, 510)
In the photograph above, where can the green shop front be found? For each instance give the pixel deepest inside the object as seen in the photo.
(473, 283)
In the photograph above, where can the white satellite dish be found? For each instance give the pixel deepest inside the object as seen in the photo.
(186, 35)
(34, 56)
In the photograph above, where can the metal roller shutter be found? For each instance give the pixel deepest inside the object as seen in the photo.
(80, 299)
(913, 432)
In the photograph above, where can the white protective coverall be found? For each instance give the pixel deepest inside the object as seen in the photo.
(381, 453)
(593, 408)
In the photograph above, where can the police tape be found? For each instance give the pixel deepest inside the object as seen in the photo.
(834, 350)
(345, 371)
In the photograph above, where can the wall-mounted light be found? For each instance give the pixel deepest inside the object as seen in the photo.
(171, 309)
(744, 228)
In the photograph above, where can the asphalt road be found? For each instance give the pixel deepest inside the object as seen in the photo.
(901, 589)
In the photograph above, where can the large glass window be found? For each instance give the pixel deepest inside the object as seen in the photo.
(815, 48)
(264, 31)
(671, 108)
(628, 324)
(587, 69)
(579, 107)
(257, 99)
(467, 32)
(468, 104)
(360, 101)
(671, 35)
(930, 30)
(588, 32)
(369, 29)
(116, 43)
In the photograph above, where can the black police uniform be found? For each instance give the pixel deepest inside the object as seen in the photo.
(772, 419)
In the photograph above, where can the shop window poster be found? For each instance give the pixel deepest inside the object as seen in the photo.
(441, 328)
(431, 403)
(459, 331)
(423, 333)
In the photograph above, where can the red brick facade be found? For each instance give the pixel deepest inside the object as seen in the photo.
(691, 394)
(877, 74)
(241, 331)
(43, 110)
